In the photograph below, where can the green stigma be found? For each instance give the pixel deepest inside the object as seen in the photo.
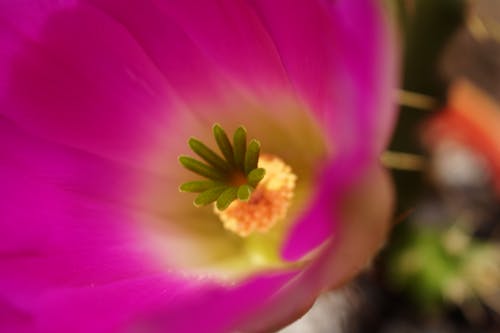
(233, 176)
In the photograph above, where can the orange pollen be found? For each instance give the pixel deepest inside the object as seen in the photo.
(268, 203)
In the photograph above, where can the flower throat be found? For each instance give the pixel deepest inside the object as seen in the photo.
(251, 192)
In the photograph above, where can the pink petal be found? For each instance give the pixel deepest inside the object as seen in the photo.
(365, 212)
(225, 36)
(350, 45)
(319, 221)
(339, 57)
(82, 80)
(79, 253)
(14, 320)
(110, 307)
(65, 217)
(265, 303)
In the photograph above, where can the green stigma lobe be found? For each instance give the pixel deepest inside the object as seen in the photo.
(240, 147)
(244, 192)
(209, 196)
(225, 173)
(252, 156)
(223, 143)
(200, 168)
(255, 176)
(226, 198)
(198, 186)
(208, 155)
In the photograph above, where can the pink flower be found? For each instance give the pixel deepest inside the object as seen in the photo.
(97, 100)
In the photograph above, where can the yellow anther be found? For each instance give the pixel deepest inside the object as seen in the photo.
(269, 201)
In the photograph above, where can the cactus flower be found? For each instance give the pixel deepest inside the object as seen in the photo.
(99, 101)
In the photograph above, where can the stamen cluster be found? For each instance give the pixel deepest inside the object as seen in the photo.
(269, 202)
(233, 176)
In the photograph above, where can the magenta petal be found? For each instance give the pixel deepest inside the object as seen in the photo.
(80, 79)
(66, 216)
(365, 214)
(227, 33)
(15, 320)
(182, 63)
(110, 307)
(338, 57)
(218, 308)
(231, 34)
(320, 221)
(81, 172)
(81, 257)
(91, 246)
(345, 42)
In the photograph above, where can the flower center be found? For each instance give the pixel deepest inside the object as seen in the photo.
(268, 203)
(251, 192)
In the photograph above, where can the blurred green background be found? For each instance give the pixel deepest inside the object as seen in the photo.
(440, 271)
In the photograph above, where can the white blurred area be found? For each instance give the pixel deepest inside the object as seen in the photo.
(328, 314)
